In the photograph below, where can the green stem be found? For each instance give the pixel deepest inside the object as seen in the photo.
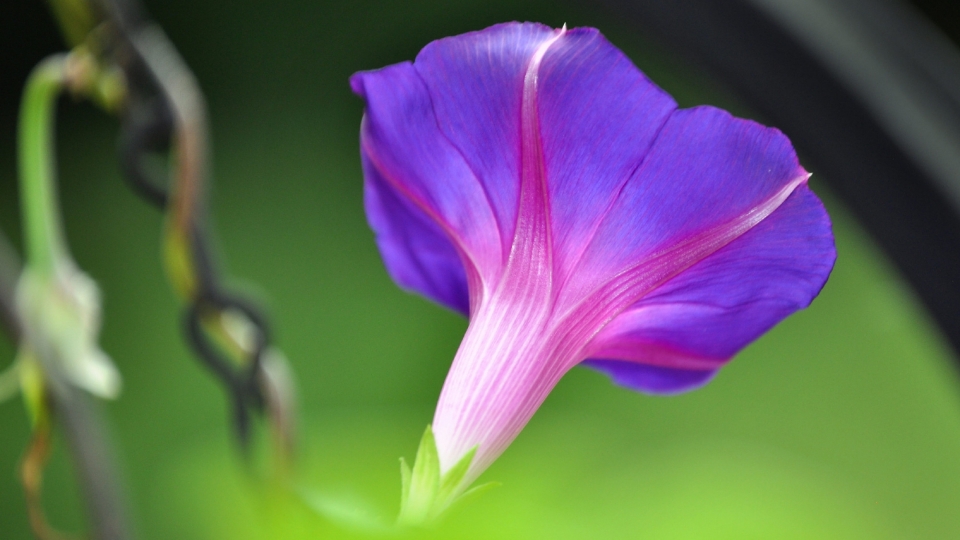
(43, 234)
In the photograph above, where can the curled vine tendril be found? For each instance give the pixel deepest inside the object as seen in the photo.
(163, 112)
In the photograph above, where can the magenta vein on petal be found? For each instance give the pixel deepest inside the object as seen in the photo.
(641, 279)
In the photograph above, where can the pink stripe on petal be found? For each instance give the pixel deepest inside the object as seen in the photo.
(520, 303)
(619, 292)
(704, 169)
(476, 82)
(599, 117)
(715, 308)
(641, 351)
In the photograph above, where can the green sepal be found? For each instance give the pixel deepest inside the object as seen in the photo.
(450, 482)
(423, 483)
(426, 494)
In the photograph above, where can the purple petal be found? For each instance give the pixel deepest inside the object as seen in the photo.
(705, 315)
(598, 117)
(402, 144)
(476, 82)
(706, 171)
(417, 253)
(652, 379)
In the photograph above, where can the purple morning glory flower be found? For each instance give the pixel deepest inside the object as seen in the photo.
(535, 180)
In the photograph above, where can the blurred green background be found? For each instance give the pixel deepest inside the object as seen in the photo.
(843, 422)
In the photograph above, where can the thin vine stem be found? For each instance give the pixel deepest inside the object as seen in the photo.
(43, 232)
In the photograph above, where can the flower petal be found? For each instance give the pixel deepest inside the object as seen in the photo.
(707, 172)
(403, 145)
(699, 319)
(476, 83)
(418, 254)
(599, 116)
(651, 379)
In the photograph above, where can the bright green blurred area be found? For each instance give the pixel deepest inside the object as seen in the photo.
(842, 423)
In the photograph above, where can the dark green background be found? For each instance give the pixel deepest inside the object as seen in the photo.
(843, 422)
